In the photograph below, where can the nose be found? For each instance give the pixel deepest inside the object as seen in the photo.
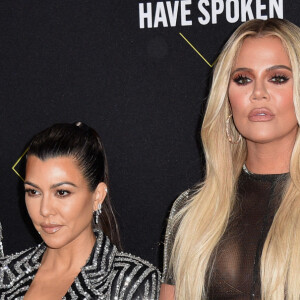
(46, 206)
(259, 92)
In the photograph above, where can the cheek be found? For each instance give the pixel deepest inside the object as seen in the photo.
(285, 105)
(33, 208)
(285, 102)
(78, 209)
(238, 97)
(239, 103)
(238, 106)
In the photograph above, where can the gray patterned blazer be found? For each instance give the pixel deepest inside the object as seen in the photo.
(108, 274)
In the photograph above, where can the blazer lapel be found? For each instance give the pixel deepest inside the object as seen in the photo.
(18, 270)
(93, 280)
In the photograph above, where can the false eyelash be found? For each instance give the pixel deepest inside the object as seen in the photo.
(280, 76)
(240, 77)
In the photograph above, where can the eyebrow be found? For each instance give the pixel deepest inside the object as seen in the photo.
(279, 67)
(268, 69)
(62, 183)
(53, 185)
(32, 184)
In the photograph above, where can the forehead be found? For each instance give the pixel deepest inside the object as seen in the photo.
(52, 169)
(262, 51)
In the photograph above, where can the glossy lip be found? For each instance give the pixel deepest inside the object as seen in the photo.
(261, 115)
(50, 228)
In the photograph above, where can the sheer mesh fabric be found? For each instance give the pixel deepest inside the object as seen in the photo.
(234, 273)
(236, 269)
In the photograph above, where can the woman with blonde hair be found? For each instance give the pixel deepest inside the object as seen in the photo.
(237, 235)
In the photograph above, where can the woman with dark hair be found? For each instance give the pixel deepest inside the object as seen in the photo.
(66, 183)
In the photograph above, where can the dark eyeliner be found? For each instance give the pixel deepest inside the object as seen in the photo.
(67, 193)
(241, 80)
(282, 79)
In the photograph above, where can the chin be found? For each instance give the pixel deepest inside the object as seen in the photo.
(262, 139)
(261, 136)
(54, 242)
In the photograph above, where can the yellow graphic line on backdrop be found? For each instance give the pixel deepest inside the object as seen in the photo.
(13, 167)
(211, 65)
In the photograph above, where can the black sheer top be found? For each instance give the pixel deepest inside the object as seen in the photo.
(235, 272)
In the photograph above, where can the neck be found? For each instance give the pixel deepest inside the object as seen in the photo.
(269, 158)
(71, 257)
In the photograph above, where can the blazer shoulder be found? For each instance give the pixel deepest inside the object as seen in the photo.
(132, 261)
(16, 266)
(170, 234)
(141, 279)
(12, 258)
(180, 202)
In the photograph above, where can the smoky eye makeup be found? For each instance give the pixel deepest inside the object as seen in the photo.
(241, 79)
(279, 78)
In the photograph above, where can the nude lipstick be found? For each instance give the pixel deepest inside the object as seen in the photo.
(50, 228)
(261, 115)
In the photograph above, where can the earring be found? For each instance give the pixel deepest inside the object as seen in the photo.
(97, 213)
(228, 132)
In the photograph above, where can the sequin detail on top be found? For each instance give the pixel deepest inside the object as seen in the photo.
(171, 230)
(108, 274)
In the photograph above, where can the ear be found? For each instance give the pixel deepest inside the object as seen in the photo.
(99, 194)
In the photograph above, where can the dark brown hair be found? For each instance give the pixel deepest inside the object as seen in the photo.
(83, 144)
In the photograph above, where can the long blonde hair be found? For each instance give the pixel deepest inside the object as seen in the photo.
(203, 220)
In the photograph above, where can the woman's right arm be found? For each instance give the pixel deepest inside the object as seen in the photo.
(167, 292)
